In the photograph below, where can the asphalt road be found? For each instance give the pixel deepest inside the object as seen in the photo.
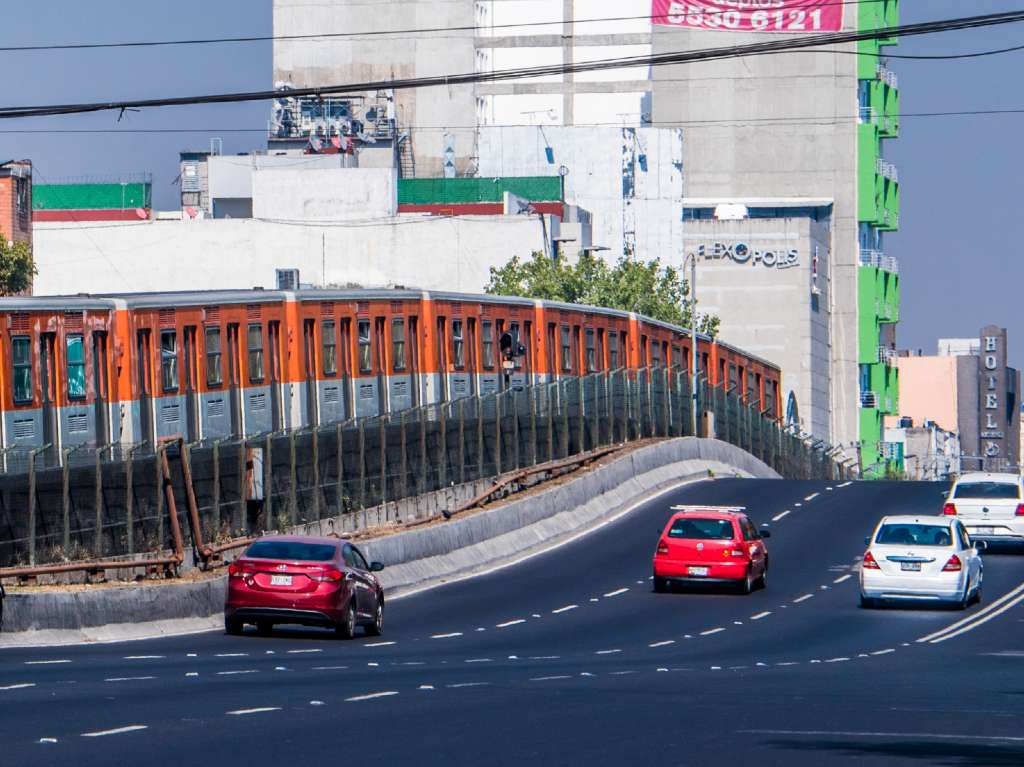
(570, 658)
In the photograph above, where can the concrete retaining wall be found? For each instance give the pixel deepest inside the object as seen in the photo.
(415, 558)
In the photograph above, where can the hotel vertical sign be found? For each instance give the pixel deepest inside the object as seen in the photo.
(992, 420)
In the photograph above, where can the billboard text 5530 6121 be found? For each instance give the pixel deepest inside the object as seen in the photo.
(750, 15)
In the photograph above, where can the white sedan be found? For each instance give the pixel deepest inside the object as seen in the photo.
(991, 506)
(930, 559)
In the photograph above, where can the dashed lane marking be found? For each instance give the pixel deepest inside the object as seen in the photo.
(247, 711)
(115, 731)
(234, 673)
(789, 663)
(371, 696)
(777, 517)
(144, 657)
(302, 652)
(759, 616)
(480, 660)
(564, 609)
(709, 632)
(467, 684)
(837, 660)
(845, 484)
(45, 662)
(545, 657)
(617, 592)
(662, 644)
(797, 505)
(804, 598)
(549, 678)
(607, 652)
(129, 678)
(506, 624)
(447, 636)
(329, 668)
(374, 644)
(812, 496)
(231, 655)
(842, 578)
(425, 687)
(21, 686)
(914, 735)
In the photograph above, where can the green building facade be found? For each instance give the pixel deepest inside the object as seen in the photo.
(878, 212)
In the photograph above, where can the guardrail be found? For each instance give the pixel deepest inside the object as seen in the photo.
(102, 511)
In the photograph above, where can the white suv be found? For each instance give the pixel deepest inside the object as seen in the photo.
(991, 506)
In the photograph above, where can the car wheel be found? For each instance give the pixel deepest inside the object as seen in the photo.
(264, 628)
(660, 585)
(376, 628)
(976, 597)
(747, 584)
(233, 626)
(347, 629)
(965, 598)
(762, 582)
(867, 603)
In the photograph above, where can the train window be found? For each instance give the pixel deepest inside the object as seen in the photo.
(214, 375)
(591, 352)
(613, 351)
(458, 345)
(255, 347)
(365, 360)
(723, 379)
(169, 360)
(677, 356)
(655, 354)
(330, 347)
(75, 362)
(513, 329)
(398, 343)
(566, 350)
(21, 354)
(733, 381)
(600, 348)
(487, 337)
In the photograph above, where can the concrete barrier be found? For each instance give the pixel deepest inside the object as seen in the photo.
(415, 559)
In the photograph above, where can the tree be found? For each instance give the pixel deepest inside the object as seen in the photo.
(660, 292)
(16, 267)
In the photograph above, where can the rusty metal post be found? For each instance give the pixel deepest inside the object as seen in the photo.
(160, 531)
(167, 489)
(383, 440)
(98, 503)
(595, 410)
(268, 481)
(190, 499)
(462, 442)
(65, 472)
(316, 472)
(627, 410)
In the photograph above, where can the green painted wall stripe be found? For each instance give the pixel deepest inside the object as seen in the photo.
(91, 196)
(426, 191)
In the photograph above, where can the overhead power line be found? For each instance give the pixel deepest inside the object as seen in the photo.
(372, 33)
(680, 57)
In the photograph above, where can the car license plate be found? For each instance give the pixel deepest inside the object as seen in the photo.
(984, 531)
(697, 570)
(280, 580)
(911, 566)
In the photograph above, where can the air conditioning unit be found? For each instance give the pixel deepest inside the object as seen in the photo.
(287, 279)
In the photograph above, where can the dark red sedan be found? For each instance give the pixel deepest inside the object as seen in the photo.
(708, 544)
(308, 581)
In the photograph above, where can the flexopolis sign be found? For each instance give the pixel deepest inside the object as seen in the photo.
(750, 15)
(743, 253)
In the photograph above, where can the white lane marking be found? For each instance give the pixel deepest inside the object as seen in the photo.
(737, 623)
(662, 644)
(594, 599)
(564, 542)
(797, 505)
(716, 668)
(467, 684)
(328, 668)
(812, 496)
(607, 652)
(828, 488)
(709, 632)
(44, 662)
(231, 655)
(536, 615)
(549, 678)
(375, 644)
(47, 740)
(128, 678)
(622, 673)
(564, 609)
(407, 663)
(479, 629)
(21, 686)
(192, 655)
(845, 484)
(759, 616)
(640, 583)
(192, 673)
(545, 657)
(446, 636)
(144, 657)
(971, 626)
(115, 731)
(789, 663)
(777, 517)
(617, 592)
(280, 668)
(247, 711)
(842, 578)
(316, 703)
(852, 734)
(425, 687)
(233, 673)
(371, 663)
(371, 696)
(837, 660)
(302, 652)
(805, 597)
(976, 616)
(480, 660)
(506, 624)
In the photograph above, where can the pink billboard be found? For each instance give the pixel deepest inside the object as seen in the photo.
(806, 16)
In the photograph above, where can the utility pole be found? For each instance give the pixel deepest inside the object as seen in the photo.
(693, 340)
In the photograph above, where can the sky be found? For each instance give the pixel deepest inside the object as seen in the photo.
(960, 177)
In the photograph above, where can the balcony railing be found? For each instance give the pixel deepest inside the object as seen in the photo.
(879, 260)
(868, 116)
(887, 356)
(887, 76)
(888, 170)
(868, 399)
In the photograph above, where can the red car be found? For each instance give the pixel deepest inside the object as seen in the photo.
(308, 581)
(711, 544)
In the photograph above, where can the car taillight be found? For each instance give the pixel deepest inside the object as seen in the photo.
(662, 547)
(953, 564)
(1020, 510)
(331, 575)
(235, 570)
(869, 562)
(950, 510)
(740, 552)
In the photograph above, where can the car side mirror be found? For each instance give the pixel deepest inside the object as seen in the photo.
(980, 545)
(376, 567)
(765, 533)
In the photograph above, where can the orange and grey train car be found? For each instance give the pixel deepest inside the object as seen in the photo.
(135, 368)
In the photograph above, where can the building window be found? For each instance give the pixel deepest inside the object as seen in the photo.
(398, 344)
(458, 345)
(613, 351)
(214, 376)
(487, 337)
(169, 360)
(75, 361)
(365, 360)
(330, 347)
(21, 354)
(566, 350)
(255, 346)
(591, 351)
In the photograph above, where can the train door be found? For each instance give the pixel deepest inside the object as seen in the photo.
(144, 355)
(552, 357)
(276, 405)
(471, 362)
(234, 380)
(380, 361)
(413, 347)
(345, 367)
(309, 344)
(101, 387)
(526, 361)
(191, 386)
(576, 366)
(519, 377)
(442, 359)
(48, 382)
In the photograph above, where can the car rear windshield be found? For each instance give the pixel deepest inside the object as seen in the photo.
(914, 535)
(702, 529)
(986, 490)
(292, 550)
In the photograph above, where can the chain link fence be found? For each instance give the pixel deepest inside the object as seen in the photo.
(112, 502)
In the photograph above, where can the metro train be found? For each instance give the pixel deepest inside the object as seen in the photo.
(133, 368)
